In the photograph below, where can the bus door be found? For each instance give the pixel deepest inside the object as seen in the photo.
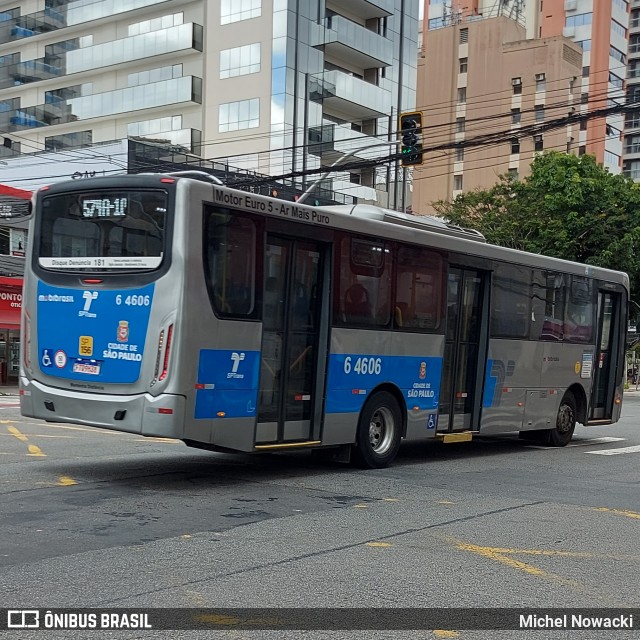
(465, 350)
(289, 404)
(605, 364)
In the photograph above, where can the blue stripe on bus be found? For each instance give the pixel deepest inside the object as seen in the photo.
(233, 378)
(353, 376)
(490, 385)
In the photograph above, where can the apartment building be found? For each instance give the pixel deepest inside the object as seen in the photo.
(271, 86)
(631, 150)
(600, 27)
(487, 94)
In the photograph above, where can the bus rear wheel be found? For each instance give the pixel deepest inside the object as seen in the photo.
(379, 432)
(565, 422)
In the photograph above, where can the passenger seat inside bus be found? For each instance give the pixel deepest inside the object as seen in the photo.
(357, 307)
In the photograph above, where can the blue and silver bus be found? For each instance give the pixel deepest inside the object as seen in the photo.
(169, 306)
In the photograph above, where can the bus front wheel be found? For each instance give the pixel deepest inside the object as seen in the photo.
(379, 432)
(565, 422)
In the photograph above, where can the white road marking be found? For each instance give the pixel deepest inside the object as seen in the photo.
(579, 443)
(616, 452)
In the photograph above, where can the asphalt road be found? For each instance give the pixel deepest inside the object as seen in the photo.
(92, 518)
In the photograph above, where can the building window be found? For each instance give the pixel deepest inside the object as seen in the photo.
(154, 126)
(463, 63)
(616, 80)
(68, 141)
(464, 36)
(516, 83)
(515, 145)
(582, 149)
(236, 10)
(583, 124)
(617, 28)
(584, 98)
(580, 20)
(611, 159)
(539, 111)
(462, 95)
(585, 44)
(457, 182)
(585, 72)
(616, 54)
(512, 173)
(163, 22)
(541, 81)
(240, 61)
(538, 144)
(460, 125)
(244, 114)
(516, 116)
(154, 75)
(459, 154)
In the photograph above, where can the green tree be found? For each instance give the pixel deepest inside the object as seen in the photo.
(569, 207)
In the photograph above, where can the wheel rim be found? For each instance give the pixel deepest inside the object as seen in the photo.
(381, 430)
(565, 419)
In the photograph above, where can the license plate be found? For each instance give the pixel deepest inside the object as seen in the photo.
(91, 369)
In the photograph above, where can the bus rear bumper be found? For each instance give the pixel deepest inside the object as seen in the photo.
(160, 416)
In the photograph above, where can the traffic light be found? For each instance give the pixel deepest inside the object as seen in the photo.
(410, 126)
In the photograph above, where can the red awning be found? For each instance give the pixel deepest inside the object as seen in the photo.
(6, 190)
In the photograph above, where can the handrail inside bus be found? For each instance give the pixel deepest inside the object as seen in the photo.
(197, 175)
(428, 223)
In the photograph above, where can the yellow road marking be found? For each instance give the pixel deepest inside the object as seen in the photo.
(35, 451)
(442, 633)
(360, 506)
(390, 499)
(445, 502)
(15, 432)
(620, 512)
(493, 554)
(65, 481)
(499, 555)
(32, 448)
(378, 544)
(166, 440)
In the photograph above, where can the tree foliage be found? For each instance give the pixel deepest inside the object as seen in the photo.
(569, 207)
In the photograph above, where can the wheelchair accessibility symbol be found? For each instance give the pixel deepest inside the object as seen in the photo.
(46, 359)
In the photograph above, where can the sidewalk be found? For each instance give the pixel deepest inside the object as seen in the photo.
(9, 391)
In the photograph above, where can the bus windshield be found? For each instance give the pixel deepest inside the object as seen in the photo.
(102, 230)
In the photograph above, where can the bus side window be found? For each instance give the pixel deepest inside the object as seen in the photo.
(363, 276)
(357, 304)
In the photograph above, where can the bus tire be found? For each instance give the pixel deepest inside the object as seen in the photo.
(379, 432)
(565, 422)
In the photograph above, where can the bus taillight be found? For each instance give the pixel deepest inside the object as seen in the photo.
(165, 364)
(26, 350)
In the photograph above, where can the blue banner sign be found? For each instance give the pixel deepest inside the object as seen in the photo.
(93, 335)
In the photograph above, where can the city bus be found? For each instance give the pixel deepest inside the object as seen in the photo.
(170, 306)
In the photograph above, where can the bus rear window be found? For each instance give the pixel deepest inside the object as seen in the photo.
(103, 230)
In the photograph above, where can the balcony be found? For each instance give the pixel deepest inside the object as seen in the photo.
(333, 141)
(155, 43)
(49, 19)
(347, 40)
(351, 97)
(187, 89)
(368, 8)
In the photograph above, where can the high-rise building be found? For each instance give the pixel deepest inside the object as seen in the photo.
(631, 150)
(491, 100)
(600, 27)
(272, 86)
